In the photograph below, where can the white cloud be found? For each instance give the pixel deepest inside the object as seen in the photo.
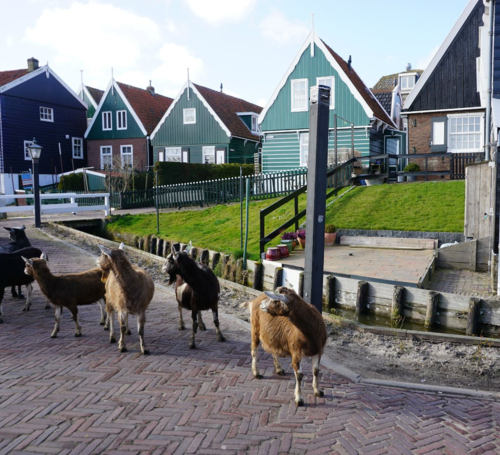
(423, 63)
(215, 12)
(277, 28)
(9, 41)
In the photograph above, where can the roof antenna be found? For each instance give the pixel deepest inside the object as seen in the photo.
(221, 87)
(81, 78)
(112, 82)
(312, 34)
(47, 71)
(188, 84)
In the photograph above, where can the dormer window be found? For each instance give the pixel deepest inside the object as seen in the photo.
(255, 124)
(407, 82)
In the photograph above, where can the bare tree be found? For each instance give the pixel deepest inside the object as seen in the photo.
(120, 175)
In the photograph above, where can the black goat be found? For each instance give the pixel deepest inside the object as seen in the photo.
(12, 273)
(196, 289)
(18, 241)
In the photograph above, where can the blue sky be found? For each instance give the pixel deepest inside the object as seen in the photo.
(246, 44)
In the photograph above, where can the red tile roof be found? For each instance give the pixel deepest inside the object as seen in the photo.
(226, 107)
(9, 76)
(377, 109)
(95, 93)
(149, 108)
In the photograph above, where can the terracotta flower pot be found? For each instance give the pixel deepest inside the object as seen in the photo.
(273, 254)
(330, 238)
(284, 251)
(302, 242)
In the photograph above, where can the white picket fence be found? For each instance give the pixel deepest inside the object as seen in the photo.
(70, 207)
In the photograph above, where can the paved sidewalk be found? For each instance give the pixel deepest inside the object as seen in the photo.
(81, 396)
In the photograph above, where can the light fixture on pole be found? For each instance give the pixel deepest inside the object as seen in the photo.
(35, 151)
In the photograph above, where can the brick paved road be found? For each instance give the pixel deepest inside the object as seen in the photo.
(80, 396)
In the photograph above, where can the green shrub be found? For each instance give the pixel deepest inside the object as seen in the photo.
(170, 173)
(412, 167)
(330, 228)
(218, 269)
(71, 182)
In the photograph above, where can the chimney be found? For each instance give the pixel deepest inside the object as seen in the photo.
(32, 64)
(150, 89)
(349, 63)
(221, 87)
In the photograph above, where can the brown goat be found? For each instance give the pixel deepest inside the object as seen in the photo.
(129, 289)
(287, 326)
(69, 291)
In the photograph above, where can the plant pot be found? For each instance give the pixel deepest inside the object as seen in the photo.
(289, 244)
(273, 254)
(302, 242)
(284, 251)
(330, 238)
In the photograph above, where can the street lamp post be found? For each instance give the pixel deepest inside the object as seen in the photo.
(35, 151)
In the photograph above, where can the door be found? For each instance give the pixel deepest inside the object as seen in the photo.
(393, 147)
(185, 156)
(221, 156)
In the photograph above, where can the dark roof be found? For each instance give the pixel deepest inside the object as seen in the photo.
(95, 93)
(226, 107)
(364, 91)
(148, 107)
(384, 98)
(390, 81)
(9, 76)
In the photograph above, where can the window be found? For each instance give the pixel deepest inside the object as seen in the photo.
(121, 120)
(407, 82)
(27, 155)
(77, 143)
(107, 121)
(304, 148)
(209, 155)
(127, 155)
(106, 157)
(173, 154)
(189, 116)
(329, 82)
(255, 124)
(465, 133)
(46, 114)
(299, 95)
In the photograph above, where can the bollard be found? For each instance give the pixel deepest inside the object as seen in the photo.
(361, 300)
(397, 304)
(257, 276)
(432, 306)
(330, 292)
(473, 317)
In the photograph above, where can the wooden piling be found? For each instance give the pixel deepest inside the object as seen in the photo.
(257, 276)
(278, 278)
(159, 247)
(301, 284)
(397, 303)
(167, 248)
(330, 292)
(194, 253)
(215, 260)
(432, 307)
(205, 257)
(361, 299)
(473, 317)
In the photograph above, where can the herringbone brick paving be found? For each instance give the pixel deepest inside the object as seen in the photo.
(81, 396)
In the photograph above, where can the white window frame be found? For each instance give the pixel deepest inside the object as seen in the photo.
(46, 114)
(74, 148)
(127, 154)
(27, 155)
(405, 75)
(332, 89)
(208, 150)
(185, 113)
(121, 123)
(255, 124)
(480, 132)
(302, 140)
(107, 118)
(110, 154)
(173, 152)
(292, 83)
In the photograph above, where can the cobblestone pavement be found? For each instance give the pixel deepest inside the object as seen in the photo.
(463, 282)
(81, 396)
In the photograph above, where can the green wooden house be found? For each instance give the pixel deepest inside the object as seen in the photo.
(284, 121)
(92, 96)
(119, 132)
(207, 126)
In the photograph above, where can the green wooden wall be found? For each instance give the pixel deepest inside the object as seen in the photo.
(282, 151)
(113, 103)
(279, 116)
(206, 130)
(91, 109)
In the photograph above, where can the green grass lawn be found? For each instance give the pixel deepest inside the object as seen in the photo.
(427, 206)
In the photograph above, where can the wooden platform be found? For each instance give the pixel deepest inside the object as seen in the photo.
(389, 242)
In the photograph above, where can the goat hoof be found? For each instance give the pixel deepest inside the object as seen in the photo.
(181, 327)
(47, 307)
(319, 393)
(129, 332)
(299, 403)
(221, 338)
(54, 335)
(123, 349)
(102, 323)
(145, 352)
(1, 321)
(106, 328)
(258, 376)
(192, 346)
(202, 327)
(77, 334)
(112, 340)
(280, 372)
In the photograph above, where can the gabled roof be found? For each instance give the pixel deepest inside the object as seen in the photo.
(384, 97)
(357, 87)
(391, 80)
(146, 109)
(93, 94)
(13, 78)
(224, 108)
(440, 53)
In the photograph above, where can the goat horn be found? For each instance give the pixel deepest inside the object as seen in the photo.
(28, 261)
(281, 297)
(105, 250)
(122, 246)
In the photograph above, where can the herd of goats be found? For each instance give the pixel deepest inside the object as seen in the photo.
(286, 325)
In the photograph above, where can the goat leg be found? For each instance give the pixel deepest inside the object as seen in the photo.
(20, 295)
(315, 367)
(192, 343)
(27, 306)
(47, 305)
(255, 352)
(122, 316)
(111, 322)
(141, 320)
(14, 293)
(220, 337)
(181, 320)
(74, 312)
(277, 366)
(102, 305)
(57, 318)
(128, 332)
(201, 324)
(299, 401)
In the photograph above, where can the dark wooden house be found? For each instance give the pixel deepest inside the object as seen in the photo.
(36, 103)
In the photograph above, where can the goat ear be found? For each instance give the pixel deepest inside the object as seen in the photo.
(44, 256)
(281, 297)
(272, 295)
(122, 246)
(105, 250)
(28, 261)
(7, 229)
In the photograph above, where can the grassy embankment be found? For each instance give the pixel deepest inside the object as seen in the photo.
(427, 206)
